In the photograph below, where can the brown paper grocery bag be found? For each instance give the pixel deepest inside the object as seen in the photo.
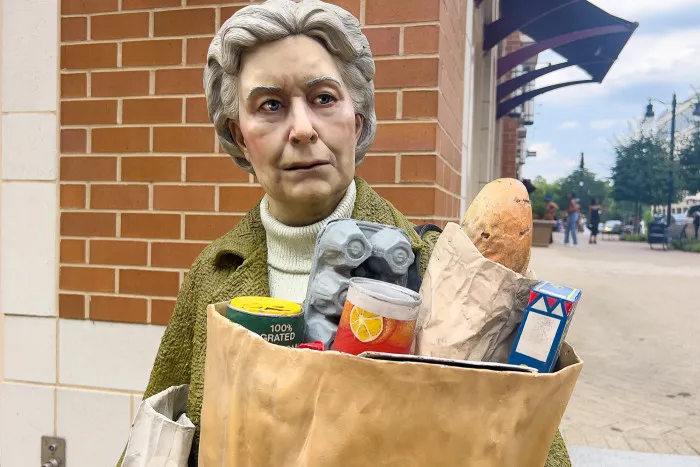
(271, 406)
(472, 306)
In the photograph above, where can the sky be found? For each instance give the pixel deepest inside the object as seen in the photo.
(662, 57)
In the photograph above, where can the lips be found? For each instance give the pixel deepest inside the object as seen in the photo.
(306, 165)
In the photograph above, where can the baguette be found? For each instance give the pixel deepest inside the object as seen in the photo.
(499, 223)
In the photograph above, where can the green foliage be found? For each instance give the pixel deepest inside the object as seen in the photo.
(689, 161)
(559, 189)
(592, 188)
(640, 173)
(633, 238)
(687, 245)
(537, 198)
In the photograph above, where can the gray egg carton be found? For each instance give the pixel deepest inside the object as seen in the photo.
(348, 248)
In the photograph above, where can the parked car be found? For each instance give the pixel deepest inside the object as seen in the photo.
(612, 228)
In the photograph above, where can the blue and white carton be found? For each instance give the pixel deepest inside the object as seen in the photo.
(544, 326)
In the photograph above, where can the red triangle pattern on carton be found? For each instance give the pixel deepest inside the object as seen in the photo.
(568, 306)
(533, 296)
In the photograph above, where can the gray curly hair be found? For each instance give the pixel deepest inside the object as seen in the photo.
(336, 29)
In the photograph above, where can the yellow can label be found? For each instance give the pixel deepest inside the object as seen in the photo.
(266, 305)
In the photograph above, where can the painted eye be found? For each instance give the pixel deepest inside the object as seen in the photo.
(271, 105)
(325, 99)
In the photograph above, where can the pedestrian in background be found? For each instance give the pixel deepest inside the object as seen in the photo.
(550, 214)
(696, 223)
(573, 211)
(594, 212)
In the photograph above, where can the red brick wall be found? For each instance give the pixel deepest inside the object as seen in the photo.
(509, 126)
(144, 185)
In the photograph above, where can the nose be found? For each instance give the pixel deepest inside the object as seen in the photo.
(302, 128)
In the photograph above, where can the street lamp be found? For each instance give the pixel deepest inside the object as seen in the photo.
(650, 114)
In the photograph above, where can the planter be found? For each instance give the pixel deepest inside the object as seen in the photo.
(541, 232)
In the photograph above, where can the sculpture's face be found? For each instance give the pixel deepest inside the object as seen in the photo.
(297, 126)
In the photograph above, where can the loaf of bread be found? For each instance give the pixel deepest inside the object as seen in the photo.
(499, 223)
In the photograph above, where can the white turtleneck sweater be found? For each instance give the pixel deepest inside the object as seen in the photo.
(290, 249)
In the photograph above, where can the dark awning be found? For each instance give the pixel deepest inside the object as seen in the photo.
(585, 35)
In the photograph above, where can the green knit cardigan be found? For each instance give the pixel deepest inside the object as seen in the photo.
(236, 265)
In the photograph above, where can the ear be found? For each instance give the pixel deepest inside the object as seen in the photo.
(359, 122)
(238, 138)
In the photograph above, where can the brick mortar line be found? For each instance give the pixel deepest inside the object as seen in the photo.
(75, 386)
(178, 183)
(212, 6)
(197, 125)
(211, 154)
(218, 7)
(117, 268)
(409, 184)
(184, 65)
(204, 184)
(25, 112)
(134, 68)
(177, 67)
(130, 239)
(103, 126)
(142, 240)
(400, 25)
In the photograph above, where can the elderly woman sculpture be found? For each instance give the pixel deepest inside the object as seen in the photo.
(289, 88)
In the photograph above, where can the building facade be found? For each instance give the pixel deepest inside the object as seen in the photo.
(112, 181)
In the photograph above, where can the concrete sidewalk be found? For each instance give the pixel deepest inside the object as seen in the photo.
(582, 456)
(636, 330)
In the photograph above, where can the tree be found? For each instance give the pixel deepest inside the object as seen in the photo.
(592, 188)
(640, 173)
(543, 189)
(689, 161)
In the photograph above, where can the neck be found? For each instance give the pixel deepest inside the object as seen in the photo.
(290, 249)
(300, 215)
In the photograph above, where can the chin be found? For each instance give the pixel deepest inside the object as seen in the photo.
(315, 190)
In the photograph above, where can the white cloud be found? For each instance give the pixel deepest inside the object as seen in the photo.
(548, 163)
(661, 58)
(606, 123)
(551, 170)
(569, 125)
(633, 10)
(658, 58)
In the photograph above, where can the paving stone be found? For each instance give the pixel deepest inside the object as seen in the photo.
(635, 391)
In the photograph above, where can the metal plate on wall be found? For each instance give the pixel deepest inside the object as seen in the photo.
(53, 449)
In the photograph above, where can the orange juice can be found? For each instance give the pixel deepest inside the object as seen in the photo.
(377, 316)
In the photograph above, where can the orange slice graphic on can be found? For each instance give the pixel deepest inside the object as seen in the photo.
(365, 326)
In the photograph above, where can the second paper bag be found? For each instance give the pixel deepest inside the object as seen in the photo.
(472, 306)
